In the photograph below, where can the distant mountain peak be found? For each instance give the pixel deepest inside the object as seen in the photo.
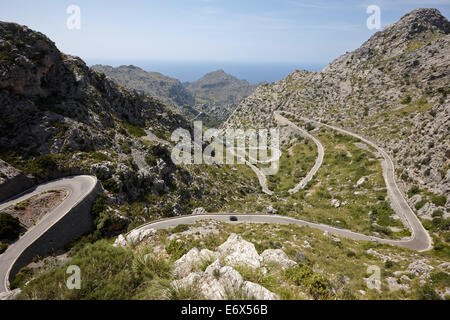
(219, 74)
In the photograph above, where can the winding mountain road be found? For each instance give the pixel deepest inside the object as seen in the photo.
(77, 187)
(320, 151)
(262, 177)
(80, 187)
(420, 239)
(276, 219)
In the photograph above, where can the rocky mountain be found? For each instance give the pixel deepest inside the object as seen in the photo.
(217, 95)
(393, 89)
(219, 88)
(58, 117)
(210, 99)
(169, 90)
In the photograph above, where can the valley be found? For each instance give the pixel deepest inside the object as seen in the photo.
(363, 180)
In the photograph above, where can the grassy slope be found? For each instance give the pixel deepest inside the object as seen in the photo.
(116, 273)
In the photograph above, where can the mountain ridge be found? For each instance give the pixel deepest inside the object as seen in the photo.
(211, 98)
(393, 89)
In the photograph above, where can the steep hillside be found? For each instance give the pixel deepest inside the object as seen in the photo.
(154, 84)
(394, 89)
(58, 117)
(213, 260)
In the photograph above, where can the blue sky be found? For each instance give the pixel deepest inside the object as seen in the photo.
(284, 31)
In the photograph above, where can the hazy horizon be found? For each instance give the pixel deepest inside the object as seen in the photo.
(189, 71)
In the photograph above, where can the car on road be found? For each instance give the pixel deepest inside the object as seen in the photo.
(233, 218)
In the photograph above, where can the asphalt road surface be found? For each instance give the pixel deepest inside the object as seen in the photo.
(77, 187)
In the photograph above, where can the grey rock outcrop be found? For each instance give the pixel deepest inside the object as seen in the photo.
(134, 237)
(237, 251)
(220, 280)
(276, 257)
(12, 181)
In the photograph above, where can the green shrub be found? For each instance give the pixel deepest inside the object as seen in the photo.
(111, 185)
(441, 279)
(9, 227)
(427, 292)
(151, 267)
(98, 156)
(440, 224)
(106, 274)
(413, 190)
(43, 165)
(151, 160)
(437, 213)
(439, 200)
(388, 264)
(176, 249)
(135, 130)
(317, 285)
(406, 100)
(420, 204)
(180, 228)
(3, 247)
(21, 278)
(190, 292)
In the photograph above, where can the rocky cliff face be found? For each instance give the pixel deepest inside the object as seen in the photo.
(393, 89)
(12, 181)
(58, 117)
(41, 86)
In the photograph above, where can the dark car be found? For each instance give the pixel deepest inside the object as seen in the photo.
(233, 218)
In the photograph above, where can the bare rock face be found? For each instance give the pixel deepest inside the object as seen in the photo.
(11, 295)
(220, 280)
(55, 111)
(12, 181)
(393, 89)
(184, 265)
(134, 237)
(237, 251)
(277, 257)
(198, 211)
(220, 285)
(191, 260)
(258, 292)
(394, 285)
(420, 268)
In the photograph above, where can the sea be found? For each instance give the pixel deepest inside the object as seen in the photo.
(188, 71)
